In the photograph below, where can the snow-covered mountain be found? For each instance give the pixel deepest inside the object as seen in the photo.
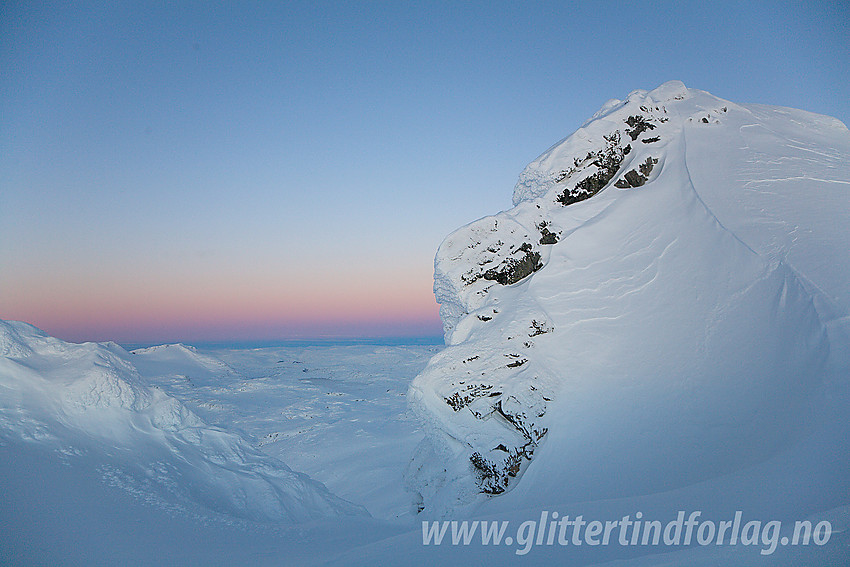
(88, 402)
(666, 302)
(660, 323)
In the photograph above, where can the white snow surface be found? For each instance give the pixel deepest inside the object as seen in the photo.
(90, 399)
(677, 330)
(679, 340)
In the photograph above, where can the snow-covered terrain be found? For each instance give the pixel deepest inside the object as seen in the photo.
(194, 443)
(666, 304)
(335, 412)
(660, 323)
(90, 399)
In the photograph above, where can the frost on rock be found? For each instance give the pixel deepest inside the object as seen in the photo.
(496, 406)
(605, 162)
(488, 253)
(612, 294)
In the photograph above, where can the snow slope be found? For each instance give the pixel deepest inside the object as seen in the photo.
(174, 454)
(89, 401)
(335, 412)
(666, 303)
(660, 323)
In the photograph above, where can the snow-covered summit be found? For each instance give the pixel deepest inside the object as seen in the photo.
(672, 273)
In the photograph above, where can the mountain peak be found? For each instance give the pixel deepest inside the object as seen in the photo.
(671, 90)
(641, 255)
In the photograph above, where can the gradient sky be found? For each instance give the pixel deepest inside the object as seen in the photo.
(259, 170)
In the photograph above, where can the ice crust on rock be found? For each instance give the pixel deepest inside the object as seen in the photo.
(670, 275)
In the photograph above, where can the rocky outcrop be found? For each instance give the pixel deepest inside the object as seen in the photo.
(610, 294)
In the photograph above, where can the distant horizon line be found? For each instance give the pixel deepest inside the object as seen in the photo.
(415, 333)
(387, 340)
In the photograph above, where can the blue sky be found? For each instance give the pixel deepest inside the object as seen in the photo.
(210, 170)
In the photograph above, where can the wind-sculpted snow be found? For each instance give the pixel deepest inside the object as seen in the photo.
(89, 401)
(176, 358)
(645, 316)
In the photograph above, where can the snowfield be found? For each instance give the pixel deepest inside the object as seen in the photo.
(661, 323)
(173, 454)
(90, 399)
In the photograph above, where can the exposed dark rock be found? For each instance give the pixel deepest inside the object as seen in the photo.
(462, 398)
(634, 179)
(646, 167)
(563, 174)
(494, 474)
(490, 479)
(546, 236)
(607, 162)
(513, 270)
(538, 328)
(637, 126)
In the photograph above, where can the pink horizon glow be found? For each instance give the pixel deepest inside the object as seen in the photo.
(140, 308)
(155, 326)
(167, 331)
(171, 321)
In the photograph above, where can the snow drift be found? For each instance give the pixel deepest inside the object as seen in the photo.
(88, 402)
(661, 306)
